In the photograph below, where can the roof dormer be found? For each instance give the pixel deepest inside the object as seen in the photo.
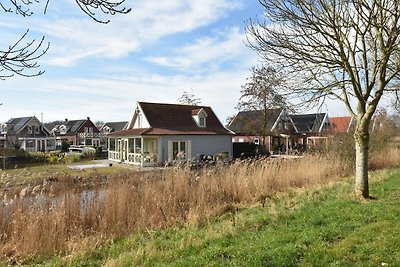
(3, 128)
(107, 129)
(200, 117)
(63, 129)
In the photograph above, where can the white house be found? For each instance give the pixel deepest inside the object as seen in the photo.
(159, 133)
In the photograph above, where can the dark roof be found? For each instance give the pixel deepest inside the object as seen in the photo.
(308, 123)
(137, 131)
(50, 125)
(172, 119)
(73, 126)
(115, 126)
(247, 122)
(18, 123)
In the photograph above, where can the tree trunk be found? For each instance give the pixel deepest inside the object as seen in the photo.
(361, 137)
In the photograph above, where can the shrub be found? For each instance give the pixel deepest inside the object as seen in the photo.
(74, 158)
(65, 144)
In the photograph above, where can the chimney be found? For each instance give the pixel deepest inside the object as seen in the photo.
(66, 119)
(88, 118)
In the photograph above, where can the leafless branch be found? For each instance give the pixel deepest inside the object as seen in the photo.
(19, 6)
(22, 56)
(104, 6)
(346, 49)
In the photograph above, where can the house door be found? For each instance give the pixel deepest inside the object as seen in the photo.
(124, 149)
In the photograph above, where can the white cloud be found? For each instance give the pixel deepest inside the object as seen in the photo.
(74, 36)
(224, 46)
(111, 99)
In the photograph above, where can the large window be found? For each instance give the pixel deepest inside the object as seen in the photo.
(30, 143)
(135, 145)
(179, 150)
(112, 144)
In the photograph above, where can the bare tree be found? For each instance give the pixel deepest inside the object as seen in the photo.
(262, 94)
(261, 91)
(345, 49)
(21, 57)
(189, 99)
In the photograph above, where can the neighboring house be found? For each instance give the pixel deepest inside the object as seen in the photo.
(110, 127)
(310, 129)
(283, 133)
(159, 133)
(77, 132)
(250, 126)
(3, 134)
(342, 124)
(27, 133)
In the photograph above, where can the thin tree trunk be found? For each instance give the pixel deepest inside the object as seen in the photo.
(362, 142)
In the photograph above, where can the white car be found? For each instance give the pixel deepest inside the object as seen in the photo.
(81, 150)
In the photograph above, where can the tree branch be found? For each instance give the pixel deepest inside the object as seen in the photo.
(20, 57)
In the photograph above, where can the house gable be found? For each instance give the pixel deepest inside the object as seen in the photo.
(282, 122)
(71, 127)
(26, 126)
(310, 123)
(138, 119)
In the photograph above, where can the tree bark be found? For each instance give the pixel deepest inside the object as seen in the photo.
(361, 137)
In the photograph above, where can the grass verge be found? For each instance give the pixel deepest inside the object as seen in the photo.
(323, 226)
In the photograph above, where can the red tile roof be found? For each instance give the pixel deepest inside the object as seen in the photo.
(340, 124)
(171, 119)
(138, 131)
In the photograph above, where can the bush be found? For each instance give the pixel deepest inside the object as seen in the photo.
(65, 145)
(74, 158)
(99, 152)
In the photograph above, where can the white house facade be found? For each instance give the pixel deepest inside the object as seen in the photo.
(160, 133)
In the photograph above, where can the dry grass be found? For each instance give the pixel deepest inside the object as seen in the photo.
(128, 202)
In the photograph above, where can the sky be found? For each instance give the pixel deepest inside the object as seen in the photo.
(153, 54)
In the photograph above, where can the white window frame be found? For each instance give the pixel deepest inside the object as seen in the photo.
(139, 121)
(63, 129)
(187, 152)
(30, 131)
(202, 121)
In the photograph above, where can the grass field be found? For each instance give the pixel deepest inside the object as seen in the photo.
(320, 226)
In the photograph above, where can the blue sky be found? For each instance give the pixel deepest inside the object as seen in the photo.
(153, 54)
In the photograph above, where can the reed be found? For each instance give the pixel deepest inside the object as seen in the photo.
(74, 221)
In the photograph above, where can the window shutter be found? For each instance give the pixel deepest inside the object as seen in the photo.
(169, 150)
(189, 149)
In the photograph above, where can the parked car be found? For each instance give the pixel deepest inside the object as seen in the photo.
(78, 150)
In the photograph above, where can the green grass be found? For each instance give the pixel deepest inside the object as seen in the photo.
(324, 226)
